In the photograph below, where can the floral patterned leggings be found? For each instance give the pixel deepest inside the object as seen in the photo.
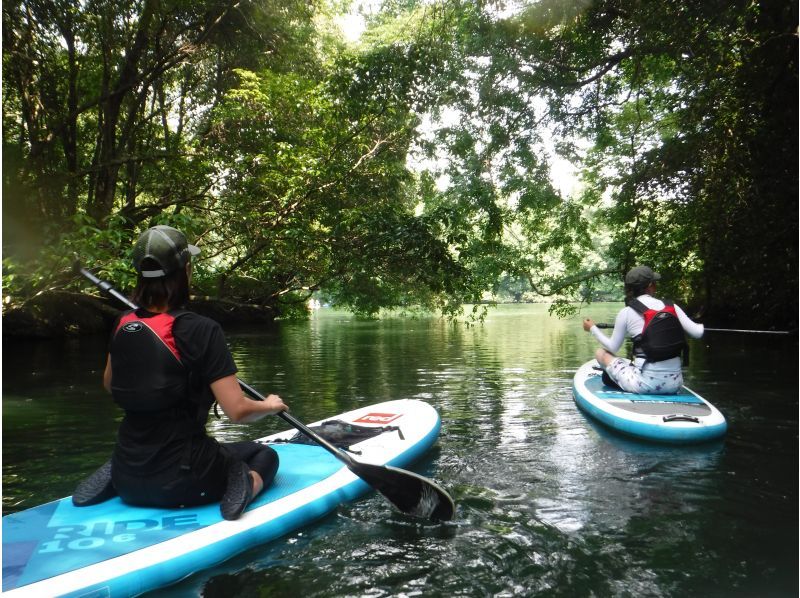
(632, 379)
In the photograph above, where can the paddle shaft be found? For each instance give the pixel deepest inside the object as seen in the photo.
(750, 331)
(105, 287)
(342, 456)
(606, 325)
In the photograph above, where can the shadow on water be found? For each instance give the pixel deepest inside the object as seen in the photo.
(549, 503)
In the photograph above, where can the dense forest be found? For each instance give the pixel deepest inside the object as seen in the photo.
(411, 165)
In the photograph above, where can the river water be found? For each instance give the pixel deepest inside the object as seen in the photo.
(549, 504)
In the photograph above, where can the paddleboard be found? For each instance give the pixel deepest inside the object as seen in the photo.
(113, 549)
(681, 418)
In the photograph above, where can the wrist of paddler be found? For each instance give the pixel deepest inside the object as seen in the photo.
(238, 407)
(271, 405)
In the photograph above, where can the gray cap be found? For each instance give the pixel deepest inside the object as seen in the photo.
(641, 275)
(166, 246)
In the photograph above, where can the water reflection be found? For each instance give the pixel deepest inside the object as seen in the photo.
(549, 503)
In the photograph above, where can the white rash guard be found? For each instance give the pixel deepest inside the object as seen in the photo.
(630, 324)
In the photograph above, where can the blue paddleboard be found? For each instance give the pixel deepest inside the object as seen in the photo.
(113, 549)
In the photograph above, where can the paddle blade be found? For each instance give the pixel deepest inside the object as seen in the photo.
(410, 493)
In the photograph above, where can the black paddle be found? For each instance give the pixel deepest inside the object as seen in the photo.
(410, 493)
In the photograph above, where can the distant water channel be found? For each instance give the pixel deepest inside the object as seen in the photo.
(548, 503)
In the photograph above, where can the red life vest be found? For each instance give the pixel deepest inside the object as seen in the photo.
(662, 336)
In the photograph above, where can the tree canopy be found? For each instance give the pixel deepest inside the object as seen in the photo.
(412, 167)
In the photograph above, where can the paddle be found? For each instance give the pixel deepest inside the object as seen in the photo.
(605, 325)
(408, 492)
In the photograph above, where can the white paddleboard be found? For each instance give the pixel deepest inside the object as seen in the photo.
(681, 418)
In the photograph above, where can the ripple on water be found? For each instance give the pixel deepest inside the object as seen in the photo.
(549, 504)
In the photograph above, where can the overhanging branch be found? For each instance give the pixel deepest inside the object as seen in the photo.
(567, 282)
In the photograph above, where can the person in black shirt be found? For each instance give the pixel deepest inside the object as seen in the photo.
(165, 368)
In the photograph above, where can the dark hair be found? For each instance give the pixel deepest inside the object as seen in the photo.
(632, 291)
(170, 291)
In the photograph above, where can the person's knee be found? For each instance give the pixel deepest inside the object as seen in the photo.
(603, 357)
(265, 462)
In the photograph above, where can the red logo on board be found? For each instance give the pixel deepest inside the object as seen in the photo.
(377, 418)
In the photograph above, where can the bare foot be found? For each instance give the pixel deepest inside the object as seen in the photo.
(258, 483)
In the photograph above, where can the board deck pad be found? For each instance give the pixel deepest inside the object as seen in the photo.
(662, 408)
(82, 536)
(596, 386)
(683, 401)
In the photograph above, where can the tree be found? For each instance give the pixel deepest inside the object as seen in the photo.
(101, 98)
(682, 104)
(289, 155)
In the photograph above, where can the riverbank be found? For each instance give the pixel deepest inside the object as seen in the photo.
(59, 314)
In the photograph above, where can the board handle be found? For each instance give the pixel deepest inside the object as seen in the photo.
(679, 417)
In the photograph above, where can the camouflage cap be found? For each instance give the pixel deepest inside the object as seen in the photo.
(166, 246)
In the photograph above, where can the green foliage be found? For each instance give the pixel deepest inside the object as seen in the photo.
(413, 168)
(694, 159)
(681, 103)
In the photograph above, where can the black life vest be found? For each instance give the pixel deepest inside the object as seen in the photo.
(662, 336)
(147, 373)
(154, 386)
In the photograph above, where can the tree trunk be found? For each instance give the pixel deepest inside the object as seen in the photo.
(127, 82)
(69, 132)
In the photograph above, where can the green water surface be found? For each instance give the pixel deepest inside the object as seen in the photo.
(549, 504)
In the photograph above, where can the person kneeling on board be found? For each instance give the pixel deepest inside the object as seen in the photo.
(657, 328)
(166, 366)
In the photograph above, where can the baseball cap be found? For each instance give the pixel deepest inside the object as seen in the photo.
(164, 245)
(641, 275)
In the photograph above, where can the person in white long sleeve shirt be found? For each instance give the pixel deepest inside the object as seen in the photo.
(641, 375)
